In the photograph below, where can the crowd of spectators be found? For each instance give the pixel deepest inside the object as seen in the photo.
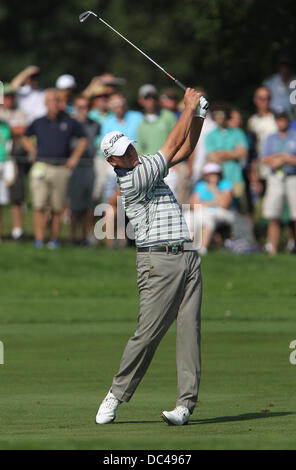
(242, 172)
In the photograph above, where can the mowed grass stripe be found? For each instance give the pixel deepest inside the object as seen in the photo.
(65, 318)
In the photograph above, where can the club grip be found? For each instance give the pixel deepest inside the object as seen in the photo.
(180, 84)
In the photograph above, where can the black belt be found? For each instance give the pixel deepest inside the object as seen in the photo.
(53, 163)
(167, 248)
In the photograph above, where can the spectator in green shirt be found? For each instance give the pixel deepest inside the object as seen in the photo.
(156, 125)
(228, 147)
(4, 139)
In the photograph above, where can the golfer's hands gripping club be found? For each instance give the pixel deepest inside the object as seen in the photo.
(191, 99)
(202, 108)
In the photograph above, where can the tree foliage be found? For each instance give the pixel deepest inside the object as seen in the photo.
(227, 46)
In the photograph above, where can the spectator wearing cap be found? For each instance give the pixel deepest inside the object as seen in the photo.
(16, 120)
(279, 85)
(82, 178)
(29, 97)
(152, 133)
(228, 147)
(54, 162)
(168, 99)
(156, 124)
(214, 194)
(279, 153)
(66, 84)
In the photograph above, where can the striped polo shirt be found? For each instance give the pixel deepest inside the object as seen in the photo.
(150, 205)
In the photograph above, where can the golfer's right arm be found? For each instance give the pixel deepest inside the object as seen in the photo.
(180, 131)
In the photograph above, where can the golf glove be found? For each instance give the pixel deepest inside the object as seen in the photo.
(202, 108)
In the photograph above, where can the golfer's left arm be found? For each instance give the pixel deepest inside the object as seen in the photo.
(190, 142)
(192, 138)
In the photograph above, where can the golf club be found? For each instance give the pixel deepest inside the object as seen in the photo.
(86, 14)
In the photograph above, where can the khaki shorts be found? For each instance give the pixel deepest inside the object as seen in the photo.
(49, 186)
(277, 190)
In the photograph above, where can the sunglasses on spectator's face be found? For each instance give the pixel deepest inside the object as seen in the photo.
(149, 96)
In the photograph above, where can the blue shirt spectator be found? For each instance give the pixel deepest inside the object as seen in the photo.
(277, 144)
(206, 194)
(128, 125)
(54, 137)
(121, 119)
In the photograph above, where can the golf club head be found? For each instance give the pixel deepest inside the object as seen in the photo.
(85, 15)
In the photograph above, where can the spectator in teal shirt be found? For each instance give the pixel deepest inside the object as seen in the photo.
(228, 147)
(4, 139)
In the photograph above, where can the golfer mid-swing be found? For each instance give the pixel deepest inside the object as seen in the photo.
(169, 278)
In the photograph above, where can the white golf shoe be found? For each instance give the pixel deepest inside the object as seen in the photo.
(178, 417)
(107, 411)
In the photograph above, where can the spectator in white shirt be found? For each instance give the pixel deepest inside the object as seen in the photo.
(30, 98)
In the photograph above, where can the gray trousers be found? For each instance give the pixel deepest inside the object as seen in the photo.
(170, 289)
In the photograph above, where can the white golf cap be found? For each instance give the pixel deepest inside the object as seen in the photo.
(65, 81)
(211, 167)
(147, 89)
(115, 143)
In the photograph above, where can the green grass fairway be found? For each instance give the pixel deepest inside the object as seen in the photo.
(65, 317)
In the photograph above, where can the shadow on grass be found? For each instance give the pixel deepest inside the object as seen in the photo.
(220, 419)
(242, 417)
